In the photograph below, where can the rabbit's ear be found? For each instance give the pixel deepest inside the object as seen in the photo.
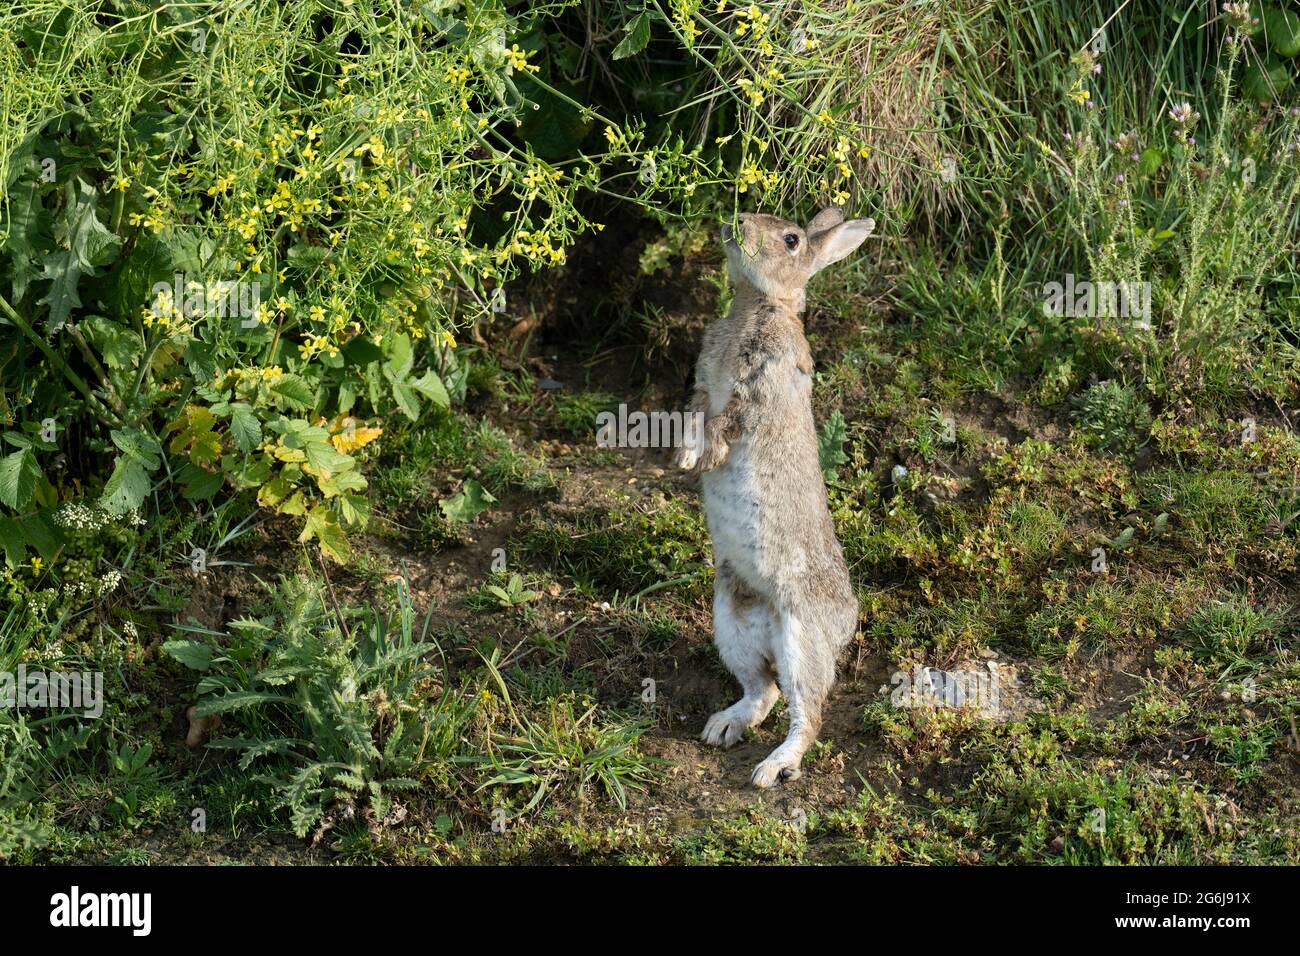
(830, 216)
(833, 244)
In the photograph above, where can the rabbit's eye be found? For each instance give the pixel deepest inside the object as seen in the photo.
(791, 241)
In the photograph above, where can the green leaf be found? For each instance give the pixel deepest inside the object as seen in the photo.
(1122, 539)
(324, 457)
(126, 487)
(12, 541)
(86, 245)
(430, 386)
(472, 501)
(19, 473)
(120, 346)
(636, 38)
(830, 445)
(194, 655)
(62, 296)
(324, 527)
(361, 351)
(400, 358)
(198, 484)
(1282, 28)
(25, 221)
(41, 535)
(407, 400)
(295, 391)
(138, 445)
(245, 427)
(237, 700)
(1150, 161)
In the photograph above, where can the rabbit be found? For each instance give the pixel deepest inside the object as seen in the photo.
(783, 606)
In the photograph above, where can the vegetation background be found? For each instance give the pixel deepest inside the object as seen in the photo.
(307, 312)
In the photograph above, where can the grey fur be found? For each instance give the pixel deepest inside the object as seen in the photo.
(783, 604)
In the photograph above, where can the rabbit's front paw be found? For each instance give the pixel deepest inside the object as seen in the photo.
(714, 454)
(686, 457)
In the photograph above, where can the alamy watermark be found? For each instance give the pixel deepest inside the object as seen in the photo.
(189, 299)
(931, 687)
(1084, 298)
(50, 690)
(638, 429)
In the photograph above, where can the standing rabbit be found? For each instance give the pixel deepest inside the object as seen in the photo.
(783, 607)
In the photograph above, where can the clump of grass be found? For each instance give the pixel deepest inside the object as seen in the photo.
(1113, 417)
(625, 547)
(576, 413)
(1230, 633)
(566, 744)
(1219, 512)
(504, 465)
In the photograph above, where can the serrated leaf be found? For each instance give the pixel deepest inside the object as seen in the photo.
(237, 700)
(830, 445)
(120, 346)
(635, 39)
(19, 473)
(245, 427)
(62, 295)
(295, 391)
(126, 488)
(86, 244)
(325, 528)
(136, 444)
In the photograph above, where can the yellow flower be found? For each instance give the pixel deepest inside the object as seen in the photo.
(37, 564)
(518, 59)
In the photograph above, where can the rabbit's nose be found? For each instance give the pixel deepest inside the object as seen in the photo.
(726, 232)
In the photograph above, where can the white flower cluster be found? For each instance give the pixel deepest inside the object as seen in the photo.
(39, 603)
(78, 590)
(79, 517)
(109, 582)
